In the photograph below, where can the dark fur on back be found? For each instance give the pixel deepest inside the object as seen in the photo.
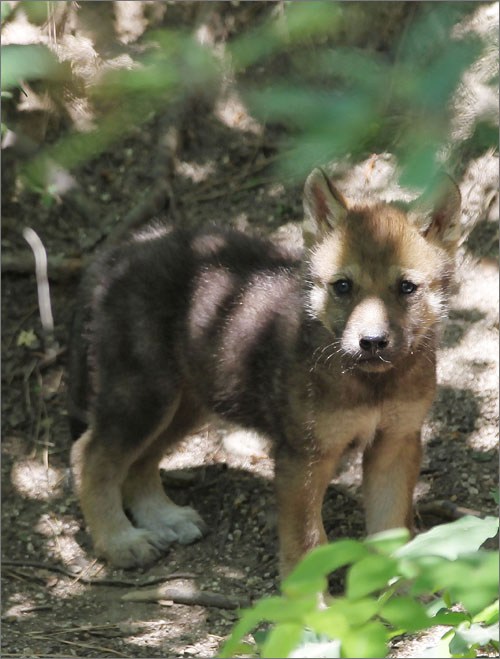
(159, 313)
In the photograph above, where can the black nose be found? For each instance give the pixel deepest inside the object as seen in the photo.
(373, 344)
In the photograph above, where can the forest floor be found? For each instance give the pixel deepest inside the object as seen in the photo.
(58, 599)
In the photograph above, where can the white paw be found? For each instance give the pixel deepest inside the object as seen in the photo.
(187, 524)
(132, 548)
(171, 522)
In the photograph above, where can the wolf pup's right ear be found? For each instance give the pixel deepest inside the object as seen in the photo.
(324, 206)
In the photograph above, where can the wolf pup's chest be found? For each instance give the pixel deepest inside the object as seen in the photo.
(336, 428)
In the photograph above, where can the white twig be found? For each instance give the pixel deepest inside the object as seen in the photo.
(42, 282)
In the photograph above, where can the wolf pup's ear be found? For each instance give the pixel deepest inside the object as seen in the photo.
(437, 212)
(324, 206)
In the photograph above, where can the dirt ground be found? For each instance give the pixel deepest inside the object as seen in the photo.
(58, 600)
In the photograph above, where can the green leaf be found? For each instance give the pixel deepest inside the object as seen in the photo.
(488, 615)
(330, 622)
(386, 542)
(369, 574)
(306, 19)
(451, 618)
(471, 579)
(27, 62)
(447, 599)
(316, 646)
(369, 641)
(476, 635)
(357, 612)
(27, 338)
(282, 609)
(407, 614)
(6, 10)
(479, 588)
(313, 569)
(436, 606)
(282, 640)
(451, 540)
(272, 609)
(260, 637)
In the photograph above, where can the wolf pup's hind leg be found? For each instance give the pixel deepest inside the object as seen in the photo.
(145, 498)
(100, 461)
(99, 472)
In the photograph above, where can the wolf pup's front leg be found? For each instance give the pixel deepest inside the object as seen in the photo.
(301, 479)
(390, 472)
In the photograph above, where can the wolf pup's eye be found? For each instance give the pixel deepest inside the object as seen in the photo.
(342, 286)
(407, 287)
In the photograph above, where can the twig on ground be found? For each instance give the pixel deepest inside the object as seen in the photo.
(228, 193)
(83, 573)
(98, 648)
(22, 264)
(37, 655)
(448, 510)
(185, 596)
(149, 581)
(197, 194)
(24, 576)
(42, 363)
(42, 283)
(35, 607)
(71, 630)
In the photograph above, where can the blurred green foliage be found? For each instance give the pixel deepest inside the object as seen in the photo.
(367, 102)
(28, 62)
(333, 97)
(385, 582)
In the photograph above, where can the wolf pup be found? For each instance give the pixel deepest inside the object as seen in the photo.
(315, 353)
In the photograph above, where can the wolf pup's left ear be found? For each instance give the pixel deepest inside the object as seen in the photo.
(437, 211)
(324, 206)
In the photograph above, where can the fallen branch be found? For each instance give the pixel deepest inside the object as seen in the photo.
(448, 510)
(98, 648)
(185, 596)
(45, 361)
(72, 630)
(229, 193)
(100, 582)
(42, 285)
(199, 193)
(22, 264)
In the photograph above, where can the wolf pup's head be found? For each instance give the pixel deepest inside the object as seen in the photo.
(379, 275)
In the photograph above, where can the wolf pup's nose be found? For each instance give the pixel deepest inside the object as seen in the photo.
(373, 344)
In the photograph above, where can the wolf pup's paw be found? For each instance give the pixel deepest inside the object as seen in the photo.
(132, 548)
(171, 523)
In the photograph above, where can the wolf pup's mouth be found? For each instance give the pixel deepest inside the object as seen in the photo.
(374, 364)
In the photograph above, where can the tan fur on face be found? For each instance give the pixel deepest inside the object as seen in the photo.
(376, 248)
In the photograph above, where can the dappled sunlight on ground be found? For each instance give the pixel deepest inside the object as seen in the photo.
(34, 480)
